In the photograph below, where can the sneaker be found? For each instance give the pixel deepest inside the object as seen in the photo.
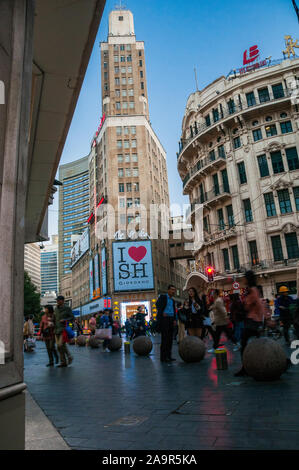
(62, 365)
(70, 360)
(211, 350)
(237, 347)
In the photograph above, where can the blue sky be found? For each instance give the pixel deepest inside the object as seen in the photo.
(210, 35)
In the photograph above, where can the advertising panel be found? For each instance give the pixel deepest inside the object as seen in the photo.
(91, 279)
(97, 275)
(104, 271)
(133, 266)
(80, 247)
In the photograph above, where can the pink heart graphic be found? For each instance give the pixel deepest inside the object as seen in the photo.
(137, 253)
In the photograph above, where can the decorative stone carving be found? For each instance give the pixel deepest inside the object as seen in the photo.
(274, 147)
(288, 228)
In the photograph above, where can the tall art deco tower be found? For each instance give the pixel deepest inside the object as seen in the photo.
(127, 168)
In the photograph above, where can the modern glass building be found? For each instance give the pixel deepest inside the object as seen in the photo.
(73, 209)
(49, 268)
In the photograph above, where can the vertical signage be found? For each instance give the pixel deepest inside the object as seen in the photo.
(91, 279)
(104, 271)
(133, 266)
(97, 275)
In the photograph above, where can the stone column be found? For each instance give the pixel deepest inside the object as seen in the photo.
(16, 40)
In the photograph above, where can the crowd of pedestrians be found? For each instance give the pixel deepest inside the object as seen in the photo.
(200, 315)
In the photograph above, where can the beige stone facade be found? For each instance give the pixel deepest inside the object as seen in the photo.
(238, 161)
(32, 263)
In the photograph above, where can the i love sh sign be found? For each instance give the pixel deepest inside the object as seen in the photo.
(133, 265)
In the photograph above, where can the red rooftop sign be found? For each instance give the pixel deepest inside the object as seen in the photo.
(253, 55)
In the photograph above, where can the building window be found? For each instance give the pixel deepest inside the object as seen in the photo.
(292, 158)
(231, 106)
(118, 130)
(263, 165)
(126, 144)
(215, 113)
(277, 162)
(129, 187)
(271, 130)
(206, 225)
(131, 105)
(208, 120)
(131, 92)
(135, 171)
(136, 187)
(121, 188)
(286, 127)
(133, 144)
(117, 104)
(242, 173)
(128, 171)
(122, 58)
(124, 93)
(116, 70)
(212, 155)
(284, 201)
(296, 197)
(221, 223)
(237, 142)
(278, 91)
(117, 93)
(120, 172)
(130, 81)
(277, 248)
(257, 135)
(116, 58)
(226, 259)
(125, 105)
(129, 202)
(235, 253)
(141, 74)
(142, 86)
(247, 210)
(124, 81)
(221, 151)
(230, 216)
(270, 204)
(253, 253)
(292, 245)
(225, 181)
(140, 63)
(121, 203)
(250, 99)
(120, 158)
(127, 158)
(216, 185)
(264, 95)
(119, 144)
(137, 201)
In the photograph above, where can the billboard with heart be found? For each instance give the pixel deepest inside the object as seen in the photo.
(133, 265)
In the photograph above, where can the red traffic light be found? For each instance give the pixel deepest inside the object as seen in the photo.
(210, 273)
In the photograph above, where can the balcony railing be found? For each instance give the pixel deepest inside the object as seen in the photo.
(231, 111)
(202, 165)
(209, 196)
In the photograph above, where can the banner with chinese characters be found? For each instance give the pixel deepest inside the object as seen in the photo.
(132, 265)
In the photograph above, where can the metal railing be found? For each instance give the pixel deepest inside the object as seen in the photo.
(208, 196)
(202, 165)
(197, 129)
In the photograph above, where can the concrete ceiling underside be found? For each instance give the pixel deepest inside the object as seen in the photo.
(64, 35)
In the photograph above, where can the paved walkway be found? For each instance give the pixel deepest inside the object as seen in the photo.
(40, 434)
(114, 401)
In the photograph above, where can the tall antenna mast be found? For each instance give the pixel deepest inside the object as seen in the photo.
(196, 82)
(120, 6)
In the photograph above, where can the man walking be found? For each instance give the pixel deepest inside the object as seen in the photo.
(63, 314)
(166, 322)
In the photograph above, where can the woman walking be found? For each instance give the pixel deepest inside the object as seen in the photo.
(254, 315)
(237, 311)
(47, 330)
(221, 321)
(195, 314)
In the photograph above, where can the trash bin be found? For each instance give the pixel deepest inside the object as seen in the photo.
(127, 347)
(221, 358)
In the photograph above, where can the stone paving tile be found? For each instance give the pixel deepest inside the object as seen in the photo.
(185, 405)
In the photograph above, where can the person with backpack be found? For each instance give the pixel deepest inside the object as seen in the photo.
(47, 330)
(238, 314)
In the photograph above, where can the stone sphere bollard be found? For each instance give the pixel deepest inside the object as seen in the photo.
(115, 343)
(192, 349)
(264, 359)
(93, 342)
(81, 340)
(142, 345)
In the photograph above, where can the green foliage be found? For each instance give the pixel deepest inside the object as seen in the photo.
(32, 304)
